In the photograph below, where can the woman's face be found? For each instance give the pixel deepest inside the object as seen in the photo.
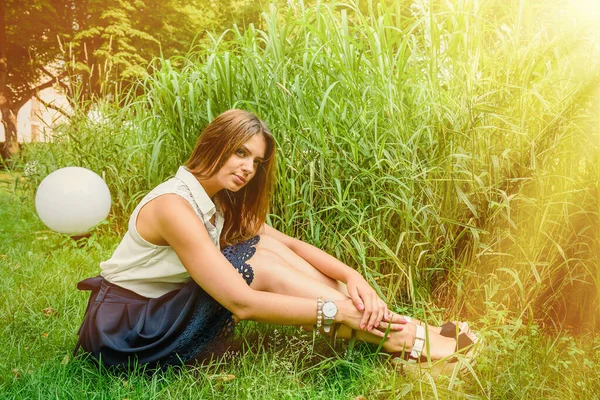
(241, 166)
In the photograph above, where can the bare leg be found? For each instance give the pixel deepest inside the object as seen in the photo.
(274, 274)
(299, 264)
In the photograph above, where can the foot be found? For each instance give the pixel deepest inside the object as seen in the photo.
(463, 327)
(438, 347)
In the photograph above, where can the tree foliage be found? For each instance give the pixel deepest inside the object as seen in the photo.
(28, 45)
(90, 46)
(114, 40)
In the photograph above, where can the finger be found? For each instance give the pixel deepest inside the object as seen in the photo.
(384, 311)
(383, 326)
(355, 296)
(366, 314)
(388, 315)
(380, 312)
(373, 319)
(378, 333)
(398, 319)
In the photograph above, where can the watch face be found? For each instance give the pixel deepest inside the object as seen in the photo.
(329, 309)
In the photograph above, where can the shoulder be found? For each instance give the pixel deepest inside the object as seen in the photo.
(169, 207)
(166, 215)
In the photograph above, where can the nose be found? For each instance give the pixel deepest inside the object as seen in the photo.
(248, 166)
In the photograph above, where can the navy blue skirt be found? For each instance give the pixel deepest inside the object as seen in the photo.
(122, 328)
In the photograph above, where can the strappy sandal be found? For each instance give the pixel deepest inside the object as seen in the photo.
(449, 328)
(416, 363)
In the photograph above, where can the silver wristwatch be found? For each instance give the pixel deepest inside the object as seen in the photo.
(329, 312)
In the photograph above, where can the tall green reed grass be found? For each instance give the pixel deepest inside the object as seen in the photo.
(447, 150)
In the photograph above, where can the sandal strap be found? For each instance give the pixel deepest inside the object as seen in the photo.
(463, 341)
(448, 330)
(419, 344)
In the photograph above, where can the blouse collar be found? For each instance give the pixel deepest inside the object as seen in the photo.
(206, 205)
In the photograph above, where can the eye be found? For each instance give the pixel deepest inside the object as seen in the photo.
(240, 152)
(257, 162)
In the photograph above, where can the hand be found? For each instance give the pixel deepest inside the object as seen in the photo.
(397, 324)
(366, 299)
(351, 317)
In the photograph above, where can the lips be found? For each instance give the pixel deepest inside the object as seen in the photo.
(239, 180)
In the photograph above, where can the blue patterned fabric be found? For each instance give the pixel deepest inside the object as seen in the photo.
(238, 254)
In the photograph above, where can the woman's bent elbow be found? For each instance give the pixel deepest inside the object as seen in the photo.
(241, 312)
(243, 306)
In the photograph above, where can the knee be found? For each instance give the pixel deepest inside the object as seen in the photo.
(265, 260)
(271, 244)
(269, 269)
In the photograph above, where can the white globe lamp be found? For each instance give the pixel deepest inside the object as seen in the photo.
(72, 200)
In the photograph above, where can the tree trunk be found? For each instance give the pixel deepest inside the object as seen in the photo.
(9, 116)
(9, 120)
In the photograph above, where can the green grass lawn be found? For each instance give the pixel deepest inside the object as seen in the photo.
(40, 311)
(447, 150)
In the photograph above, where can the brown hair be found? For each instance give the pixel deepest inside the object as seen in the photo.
(245, 211)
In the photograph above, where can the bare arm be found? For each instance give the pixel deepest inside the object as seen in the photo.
(174, 222)
(362, 294)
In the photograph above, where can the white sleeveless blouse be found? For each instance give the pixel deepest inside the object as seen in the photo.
(150, 270)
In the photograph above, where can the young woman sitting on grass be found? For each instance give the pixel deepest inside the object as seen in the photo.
(198, 257)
